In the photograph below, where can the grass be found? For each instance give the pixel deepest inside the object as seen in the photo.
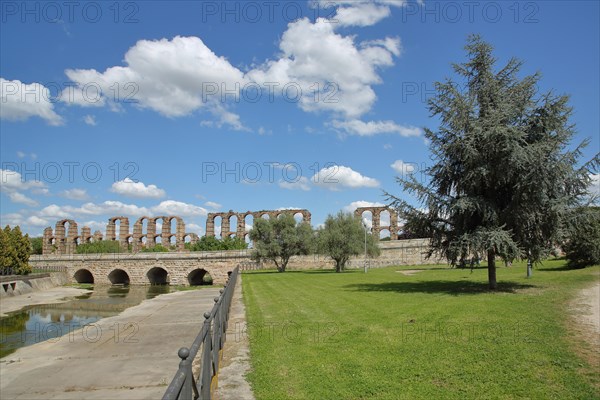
(437, 334)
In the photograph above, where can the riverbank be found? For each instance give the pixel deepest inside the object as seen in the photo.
(132, 355)
(50, 296)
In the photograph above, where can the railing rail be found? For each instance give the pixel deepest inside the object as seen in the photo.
(210, 340)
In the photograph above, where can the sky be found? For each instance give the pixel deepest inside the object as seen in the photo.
(185, 107)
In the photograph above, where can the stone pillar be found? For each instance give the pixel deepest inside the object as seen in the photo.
(151, 233)
(165, 234)
(72, 235)
(124, 232)
(240, 232)
(180, 235)
(97, 236)
(376, 223)
(47, 243)
(59, 235)
(225, 228)
(111, 230)
(86, 234)
(306, 216)
(393, 224)
(210, 224)
(137, 234)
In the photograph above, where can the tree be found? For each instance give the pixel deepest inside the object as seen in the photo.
(503, 177)
(15, 250)
(343, 236)
(36, 245)
(279, 239)
(211, 243)
(582, 246)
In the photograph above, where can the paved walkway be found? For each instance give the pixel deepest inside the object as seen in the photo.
(129, 356)
(236, 354)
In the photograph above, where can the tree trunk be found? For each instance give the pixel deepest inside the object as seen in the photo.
(492, 269)
(338, 266)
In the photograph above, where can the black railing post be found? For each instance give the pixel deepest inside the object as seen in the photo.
(206, 374)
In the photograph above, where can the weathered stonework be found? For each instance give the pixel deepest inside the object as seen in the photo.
(62, 242)
(377, 227)
(240, 228)
(179, 268)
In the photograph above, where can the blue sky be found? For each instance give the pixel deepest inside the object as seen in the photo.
(186, 108)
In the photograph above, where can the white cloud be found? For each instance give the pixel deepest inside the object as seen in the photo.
(172, 77)
(403, 168)
(20, 154)
(337, 177)
(333, 73)
(17, 197)
(21, 101)
(90, 120)
(213, 205)
(361, 14)
(75, 194)
(37, 221)
(301, 184)
(387, 146)
(194, 228)
(95, 225)
(361, 203)
(371, 128)
(129, 188)
(11, 181)
(171, 207)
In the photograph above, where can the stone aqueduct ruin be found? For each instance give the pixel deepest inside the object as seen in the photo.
(65, 237)
(240, 225)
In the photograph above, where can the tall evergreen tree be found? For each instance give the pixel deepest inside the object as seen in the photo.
(503, 177)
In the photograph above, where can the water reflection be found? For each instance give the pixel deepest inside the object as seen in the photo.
(39, 323)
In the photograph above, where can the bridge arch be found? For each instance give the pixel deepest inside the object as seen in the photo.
(119, 276)
(158, 276)
(83, 276)
(199, 277)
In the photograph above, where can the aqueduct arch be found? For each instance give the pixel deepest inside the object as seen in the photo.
(377, 226)
(240, 228)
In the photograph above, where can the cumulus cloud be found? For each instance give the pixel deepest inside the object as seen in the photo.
(17, 197)
(338, 177)
(361, 203)
(129, 188)
(301, 184)
(75, 194)
(172, 207)
(331, 71)
(12, 183)
(372, 128)
(172, 77)
(21, 101)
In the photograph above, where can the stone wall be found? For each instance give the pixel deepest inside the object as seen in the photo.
(142, 268)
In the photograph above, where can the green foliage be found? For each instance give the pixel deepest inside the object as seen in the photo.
(36, 245)
(582, 247)
(280, 238)
(102, 246)
(15, 249)
(159, 248)
(344, 236)
(503, 176)
(211, 243)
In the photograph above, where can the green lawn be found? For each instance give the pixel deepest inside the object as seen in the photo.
(438, 334)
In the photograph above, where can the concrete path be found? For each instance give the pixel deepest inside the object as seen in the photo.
(129, 356)
(49, 296)
(236, 354)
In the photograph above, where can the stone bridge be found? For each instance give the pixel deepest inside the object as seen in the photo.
(174, 268)
(189, 268)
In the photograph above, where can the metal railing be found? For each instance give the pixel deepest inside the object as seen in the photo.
(211, 339)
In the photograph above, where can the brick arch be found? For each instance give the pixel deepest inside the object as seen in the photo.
(377, 227)
(111, 232)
